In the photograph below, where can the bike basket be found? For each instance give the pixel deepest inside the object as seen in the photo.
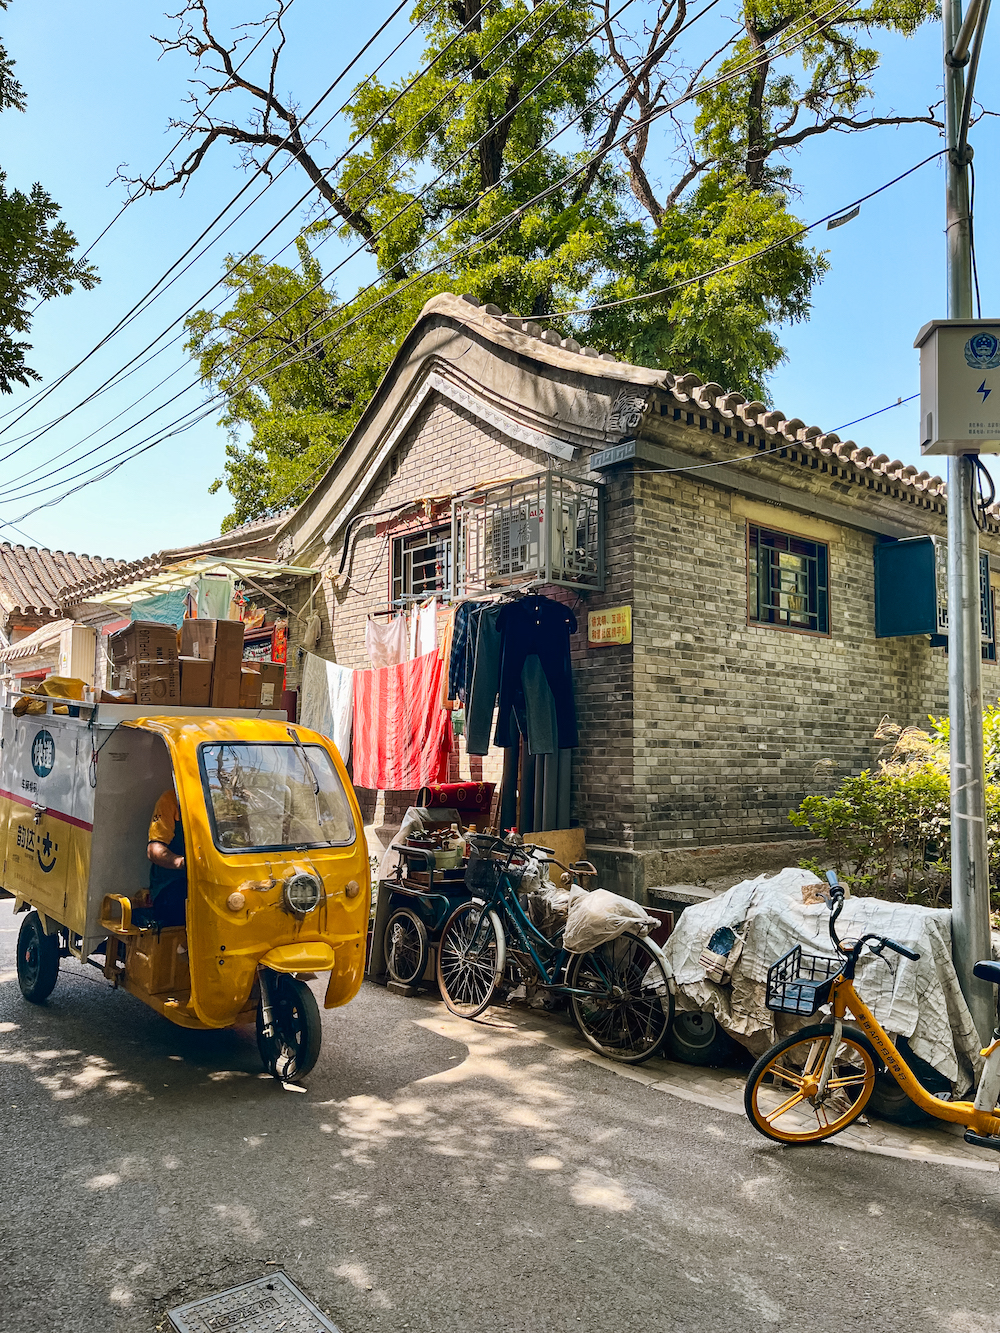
(800, 983)
(482, 874)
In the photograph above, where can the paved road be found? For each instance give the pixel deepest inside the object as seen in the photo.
(441, 1177)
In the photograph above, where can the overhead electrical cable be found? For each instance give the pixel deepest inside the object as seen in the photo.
(152, 293)
(37, 432)
(792, 43)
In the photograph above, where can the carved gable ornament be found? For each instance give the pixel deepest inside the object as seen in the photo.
(628, 409)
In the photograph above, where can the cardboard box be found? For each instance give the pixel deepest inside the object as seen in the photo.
(272, 683)
(153, 682)
(249, 688)
(144, 640)
(221, 642)
(196, 682)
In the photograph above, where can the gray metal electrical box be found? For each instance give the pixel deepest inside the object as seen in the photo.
(960, 386)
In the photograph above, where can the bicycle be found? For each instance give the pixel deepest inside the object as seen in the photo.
(816, 1082)
(619, 993)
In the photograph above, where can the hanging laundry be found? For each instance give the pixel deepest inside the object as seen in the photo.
(426, 620)
(327, 701)
(482, 676)
(386, 641)
(402, 735)
(444, 652)
(537, 626)
(215, 595)
(167, 607)
(459, 642)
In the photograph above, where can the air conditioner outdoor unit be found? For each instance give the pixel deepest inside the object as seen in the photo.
(507, 542)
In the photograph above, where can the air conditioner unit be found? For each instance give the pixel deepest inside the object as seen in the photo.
(508, 541)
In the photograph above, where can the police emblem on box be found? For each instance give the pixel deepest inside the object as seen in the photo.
(982, 351)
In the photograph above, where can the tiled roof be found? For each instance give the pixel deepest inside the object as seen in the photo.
(693, 392)
(31, 577)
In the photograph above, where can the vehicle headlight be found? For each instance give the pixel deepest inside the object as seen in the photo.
(302, 892)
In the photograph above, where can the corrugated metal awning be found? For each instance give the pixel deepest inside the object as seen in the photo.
(138, 583)
(36, 642)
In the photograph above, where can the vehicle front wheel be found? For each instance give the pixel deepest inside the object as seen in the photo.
(783, 1099)
(37, 960)
(471, 957)
(292, 1049)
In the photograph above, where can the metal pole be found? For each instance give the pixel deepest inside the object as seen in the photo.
(970, 885)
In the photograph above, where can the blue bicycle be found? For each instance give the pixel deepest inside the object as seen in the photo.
(619, 995)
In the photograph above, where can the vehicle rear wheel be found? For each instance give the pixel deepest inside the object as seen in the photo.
(471, 957)
(782, 1093)
(292, 1049)
(37, 960)
(890, 1102)
(626, 1012)
(406, 947)
(697, 1039)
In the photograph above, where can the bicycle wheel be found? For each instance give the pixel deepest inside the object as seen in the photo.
(628, 1007)
(782, 1093)
(471, 956)
(405, 947)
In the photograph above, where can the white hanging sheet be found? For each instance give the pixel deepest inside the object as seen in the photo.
(385, 641)
(327, 703)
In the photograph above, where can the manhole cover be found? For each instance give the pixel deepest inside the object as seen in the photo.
(268, 1305)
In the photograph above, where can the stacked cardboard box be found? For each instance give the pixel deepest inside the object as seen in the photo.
(272, 683)
(219, 642)
(144, 661)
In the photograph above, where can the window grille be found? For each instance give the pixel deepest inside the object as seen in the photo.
(421, 565)
(788, 581)
(545, 528)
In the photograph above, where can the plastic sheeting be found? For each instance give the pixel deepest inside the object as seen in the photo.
(599, 916)
(921, 1001)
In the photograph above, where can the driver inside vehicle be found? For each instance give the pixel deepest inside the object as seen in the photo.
(168, 873)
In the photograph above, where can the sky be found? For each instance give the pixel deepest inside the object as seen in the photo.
(100, 95)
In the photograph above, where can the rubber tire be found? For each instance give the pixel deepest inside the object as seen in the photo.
(500, 945)
(610, 1052)
(697, 1039)
(37, 960)
(423, 947)
(890, 1102)
(289, 993)
(804, 1034)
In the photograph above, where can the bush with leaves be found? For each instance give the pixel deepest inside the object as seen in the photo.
(887, 829)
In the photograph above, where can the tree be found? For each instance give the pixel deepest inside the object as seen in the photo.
(527, 166)
(36, 253)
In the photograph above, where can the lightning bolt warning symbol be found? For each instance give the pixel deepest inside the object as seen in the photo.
(984, 391)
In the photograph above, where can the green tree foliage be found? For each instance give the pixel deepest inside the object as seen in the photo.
(454, 184)
(36, 253)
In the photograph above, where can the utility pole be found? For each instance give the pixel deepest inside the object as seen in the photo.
(970, 883)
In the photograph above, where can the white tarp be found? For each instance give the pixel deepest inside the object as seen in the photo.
(921, 1001)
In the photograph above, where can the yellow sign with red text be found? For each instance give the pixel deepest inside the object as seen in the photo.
(613, 625)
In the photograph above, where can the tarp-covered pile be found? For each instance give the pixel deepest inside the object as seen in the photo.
(921, 1001)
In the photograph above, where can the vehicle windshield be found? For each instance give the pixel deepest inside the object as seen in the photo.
(264, 797)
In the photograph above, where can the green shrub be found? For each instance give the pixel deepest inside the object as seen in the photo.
(887, 829)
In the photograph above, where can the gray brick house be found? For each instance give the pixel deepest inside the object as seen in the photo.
(741, 540)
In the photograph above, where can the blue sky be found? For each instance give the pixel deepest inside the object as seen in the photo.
(99, 97)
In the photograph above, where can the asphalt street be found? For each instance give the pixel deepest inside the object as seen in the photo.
(441, 1176)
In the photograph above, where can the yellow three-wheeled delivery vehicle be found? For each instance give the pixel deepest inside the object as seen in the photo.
(277, 875)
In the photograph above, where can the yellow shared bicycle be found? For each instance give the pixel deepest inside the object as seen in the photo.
(816, 1082)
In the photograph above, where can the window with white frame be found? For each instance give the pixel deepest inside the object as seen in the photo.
(421, 565)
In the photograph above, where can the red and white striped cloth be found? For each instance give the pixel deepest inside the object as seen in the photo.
(402, 734)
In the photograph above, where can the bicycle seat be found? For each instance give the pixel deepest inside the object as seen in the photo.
(987, 971)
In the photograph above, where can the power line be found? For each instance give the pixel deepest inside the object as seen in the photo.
(857, 421)
(37, 432)
(146, 300)
(745, 259)
(325, 277)
(788, 46)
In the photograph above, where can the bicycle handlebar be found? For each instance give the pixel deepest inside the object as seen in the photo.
(837, 895)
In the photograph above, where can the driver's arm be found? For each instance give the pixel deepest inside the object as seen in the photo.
(160, 854)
